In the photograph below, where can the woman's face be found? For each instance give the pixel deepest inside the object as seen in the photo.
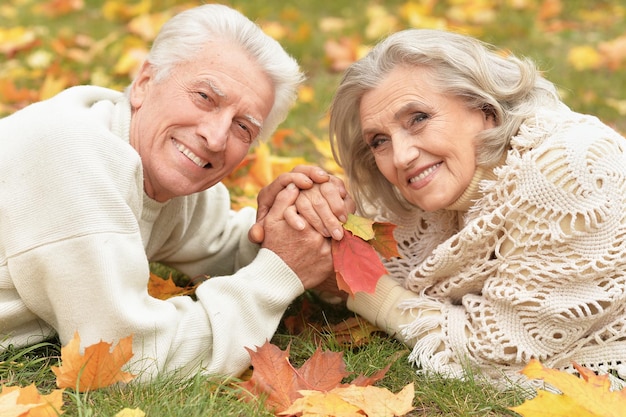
(423, 141)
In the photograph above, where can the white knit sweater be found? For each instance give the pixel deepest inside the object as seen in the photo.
(77, 233)
(529, 263)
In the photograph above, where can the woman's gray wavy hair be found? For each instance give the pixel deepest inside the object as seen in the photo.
(506, 87)
(184, 35)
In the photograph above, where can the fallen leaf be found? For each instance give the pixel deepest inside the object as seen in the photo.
(353, 332)
(384, 242)
(355, 401)
(28, 402)
(357, 264)
(319, 380)
(98, 367)
(9, 406)
(163, 288)
(316, 403)
(131, 412)
(589, 395)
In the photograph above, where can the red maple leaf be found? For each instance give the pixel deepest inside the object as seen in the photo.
(357, 264)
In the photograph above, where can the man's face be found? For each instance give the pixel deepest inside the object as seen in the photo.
(194, 127)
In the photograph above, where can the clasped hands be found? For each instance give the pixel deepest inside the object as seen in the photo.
(298, 214)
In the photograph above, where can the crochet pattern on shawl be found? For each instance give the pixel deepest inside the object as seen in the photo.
(536, 268)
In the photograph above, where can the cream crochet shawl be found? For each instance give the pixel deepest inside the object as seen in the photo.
(534, 266)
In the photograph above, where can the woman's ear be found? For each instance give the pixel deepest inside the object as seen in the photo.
(140, 85)
(489, 113)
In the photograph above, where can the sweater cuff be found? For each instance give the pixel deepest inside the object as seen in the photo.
(377, 308)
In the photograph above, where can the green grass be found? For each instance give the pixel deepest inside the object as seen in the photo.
(598, 91)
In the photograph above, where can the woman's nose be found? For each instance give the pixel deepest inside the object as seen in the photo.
(405, 149)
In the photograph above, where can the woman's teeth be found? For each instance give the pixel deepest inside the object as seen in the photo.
(424, 173)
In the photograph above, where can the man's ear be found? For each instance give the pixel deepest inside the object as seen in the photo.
(141, 83)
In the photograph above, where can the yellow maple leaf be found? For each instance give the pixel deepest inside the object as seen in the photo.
(27, 401)
(360, 226)
(318, 403)
(99, 366)
(131, 412)
(354, 401)
(589, 395)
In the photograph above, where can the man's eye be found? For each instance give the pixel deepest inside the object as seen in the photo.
(202, 95)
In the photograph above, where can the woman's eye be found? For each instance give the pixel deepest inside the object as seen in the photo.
(418, 117)
(376, 142)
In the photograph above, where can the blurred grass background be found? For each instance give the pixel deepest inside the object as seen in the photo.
(581, 45)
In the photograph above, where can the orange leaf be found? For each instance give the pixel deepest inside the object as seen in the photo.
(273, 375)
(38, 405)
(9, 406)
(357, 265)
(163, 289)
(98, 367)
(586, 396)
(383, 241)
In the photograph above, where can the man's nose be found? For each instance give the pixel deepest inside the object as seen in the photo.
(215, 128)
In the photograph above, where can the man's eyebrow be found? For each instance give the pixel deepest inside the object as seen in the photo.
(220, 93)
(215, 88)
(254, 121)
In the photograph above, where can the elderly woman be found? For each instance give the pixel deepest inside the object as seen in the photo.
(510, 207)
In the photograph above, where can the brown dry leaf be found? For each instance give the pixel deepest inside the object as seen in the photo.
(589, 395)
(353, 332)
(163, 289)
(99, 366)
(28, 402)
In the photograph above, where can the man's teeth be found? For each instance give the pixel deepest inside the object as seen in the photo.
(192, 156)
(424, 173)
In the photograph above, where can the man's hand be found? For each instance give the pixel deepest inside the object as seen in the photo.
(323, 203)
(305, 251)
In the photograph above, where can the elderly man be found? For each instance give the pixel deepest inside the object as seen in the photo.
(96, 183)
